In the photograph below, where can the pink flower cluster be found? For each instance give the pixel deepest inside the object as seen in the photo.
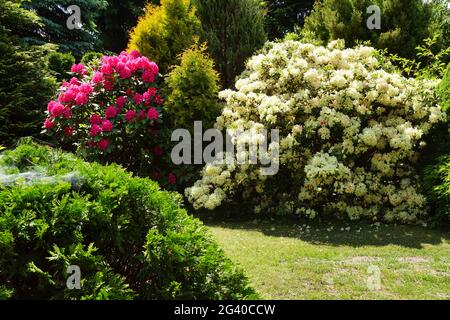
(126, 65)
(86, 87)
(104, 109)
(78, 68)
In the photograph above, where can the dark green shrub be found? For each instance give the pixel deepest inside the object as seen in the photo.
(129, 238)
(437, 172)
(437, 182)
(54, 29)
(60, 64)
(26, 83)
(91, 55)
(444, 90)
(234, 30)
(404, 23)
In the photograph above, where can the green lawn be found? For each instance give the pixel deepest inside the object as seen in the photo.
(316, 261)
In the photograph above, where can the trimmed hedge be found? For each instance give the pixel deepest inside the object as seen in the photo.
(129, 238)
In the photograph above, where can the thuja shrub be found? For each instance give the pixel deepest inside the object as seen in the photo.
(350, 134)
(111, 111)
(128, 238)
(192, 90)
(165, 31)
(26, 82)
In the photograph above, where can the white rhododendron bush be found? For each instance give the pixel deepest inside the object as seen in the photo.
(351, 130)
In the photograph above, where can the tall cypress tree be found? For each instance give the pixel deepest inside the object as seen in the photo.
(234, 30)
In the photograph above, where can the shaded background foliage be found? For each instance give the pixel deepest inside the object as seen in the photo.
(282, 16)
(26, 82)
(404, 23)
(53, 29)
(117, 20)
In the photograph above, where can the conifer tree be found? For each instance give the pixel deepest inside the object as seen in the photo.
(404, 23)
(234, 30)
(165, 31)
(26, 83)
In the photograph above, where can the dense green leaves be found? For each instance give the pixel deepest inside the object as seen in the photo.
(192, 90)
(54, 15)
(117, 20)
(234, 30)
(283, 16)
(89, 56)
(26, 83)
(404, 23)
(129, 238)
(437, 182)
(60, 63)
(165, 31)
(444, 90)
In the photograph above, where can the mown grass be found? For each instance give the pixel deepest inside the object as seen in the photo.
(319, 261)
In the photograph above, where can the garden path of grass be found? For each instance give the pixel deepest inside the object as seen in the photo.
(319, 261)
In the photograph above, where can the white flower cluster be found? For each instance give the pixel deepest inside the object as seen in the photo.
(350, 133)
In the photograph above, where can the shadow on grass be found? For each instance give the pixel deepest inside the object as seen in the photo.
(336, 233)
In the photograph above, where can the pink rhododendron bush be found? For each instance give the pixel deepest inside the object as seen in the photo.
(351, 130)
(111, 111)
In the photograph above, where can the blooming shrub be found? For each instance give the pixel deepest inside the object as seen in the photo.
(350, 133)
(112, 112)
(129, 238)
